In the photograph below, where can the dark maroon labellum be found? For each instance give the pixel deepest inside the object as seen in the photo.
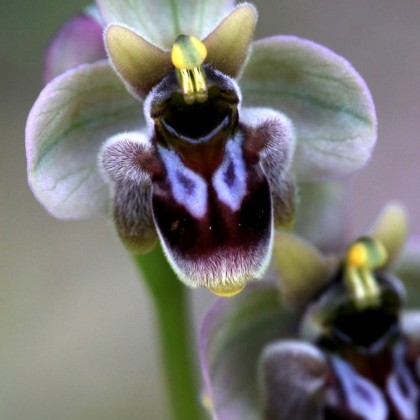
(371, 376)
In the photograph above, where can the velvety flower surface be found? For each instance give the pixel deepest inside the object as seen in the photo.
(196, 142)
(338, 353)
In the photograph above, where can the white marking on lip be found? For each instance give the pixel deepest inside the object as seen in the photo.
(229, 180)
(362, 396)
(401, 387)
(188, 188)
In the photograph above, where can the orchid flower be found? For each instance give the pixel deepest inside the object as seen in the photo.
(186, 130)
(339, 344)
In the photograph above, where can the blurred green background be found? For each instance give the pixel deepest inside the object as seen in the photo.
(76, 326)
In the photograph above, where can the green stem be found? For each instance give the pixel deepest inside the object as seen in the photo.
(171, 305)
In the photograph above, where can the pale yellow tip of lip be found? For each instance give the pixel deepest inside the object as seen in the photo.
(207, 402)
(227, 290)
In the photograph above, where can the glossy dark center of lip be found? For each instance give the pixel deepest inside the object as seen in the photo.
(346, 326)
(370, 328)
(367, 329)
(198, 120)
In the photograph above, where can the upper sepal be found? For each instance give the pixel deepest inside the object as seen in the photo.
(326, 99)
(160, 21)
(142, 64)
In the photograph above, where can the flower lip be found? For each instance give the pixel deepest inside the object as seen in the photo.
(198, 122)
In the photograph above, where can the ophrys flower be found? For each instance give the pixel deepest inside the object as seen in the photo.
(204, 167)
(344, 349)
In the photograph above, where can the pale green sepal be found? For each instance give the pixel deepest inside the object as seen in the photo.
(161, 21)
(391, 229)
(233, 335)
(302, 269)
(72, 116)
(229, 43)
(140, 64)
(326, 99)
